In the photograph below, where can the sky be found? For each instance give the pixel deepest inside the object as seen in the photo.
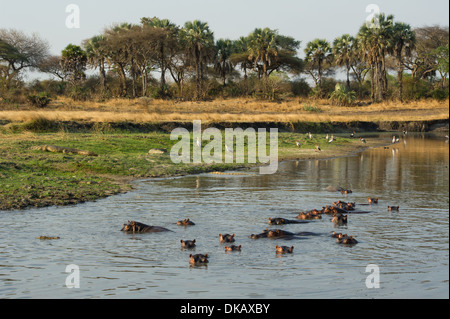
(303, 20)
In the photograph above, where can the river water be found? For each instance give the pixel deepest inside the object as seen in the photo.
(409, 247)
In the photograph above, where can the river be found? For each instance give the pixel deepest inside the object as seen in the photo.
(409, 247)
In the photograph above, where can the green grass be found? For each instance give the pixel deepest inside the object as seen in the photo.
(31, 178)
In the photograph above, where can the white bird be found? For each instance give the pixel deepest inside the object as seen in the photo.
(331, 139)
(310, 136)
(394, 139)
(327, 137)
(298, 144)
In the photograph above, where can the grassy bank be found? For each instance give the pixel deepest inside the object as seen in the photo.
(34, 178)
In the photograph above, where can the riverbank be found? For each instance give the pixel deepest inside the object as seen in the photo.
(31, 177)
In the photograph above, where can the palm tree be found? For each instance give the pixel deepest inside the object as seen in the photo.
(404, 41)
(343, 52)
(318, 52)
(223, 65)
(199, 41)
(375, 43)
(241, 56)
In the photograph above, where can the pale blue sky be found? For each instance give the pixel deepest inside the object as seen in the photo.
(303, 20)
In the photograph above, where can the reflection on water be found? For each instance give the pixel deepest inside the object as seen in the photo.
(410, 247)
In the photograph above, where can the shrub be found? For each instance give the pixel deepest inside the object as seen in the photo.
(40, 100)
(342, 96)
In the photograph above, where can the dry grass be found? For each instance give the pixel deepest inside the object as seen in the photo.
(235, 110)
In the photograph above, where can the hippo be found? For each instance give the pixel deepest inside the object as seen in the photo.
(346, 240)
(338, 236)
(340, 219)
(346, 191)
(284, 249)
(393, 208)
(283, 221)
(264, 234)
(198, 259)
(136, 227)
(188, 243)
(233, 248)
(373, 200)
(186, 222)
(308, 216)
(344, 205)
(227, 238)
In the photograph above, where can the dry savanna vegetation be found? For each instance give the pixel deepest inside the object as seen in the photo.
(231, 110)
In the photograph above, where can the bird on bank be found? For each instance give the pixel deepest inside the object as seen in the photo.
(363, 140)
(353, 135)
(327, 137)
(405, 132)
(310, 136)
(332, 139)
(318, 149)
(395, 139)
(298, 144)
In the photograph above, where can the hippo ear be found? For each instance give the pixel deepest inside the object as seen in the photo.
(190, 256)
(194, 241)
(207, 256)
(181, 241)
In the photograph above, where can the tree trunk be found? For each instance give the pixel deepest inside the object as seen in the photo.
(400, 77)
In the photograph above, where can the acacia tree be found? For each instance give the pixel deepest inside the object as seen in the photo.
(165, 34)
(96, 57)
(73, 63)
(117, 50)
(318, 57)
(18, 52)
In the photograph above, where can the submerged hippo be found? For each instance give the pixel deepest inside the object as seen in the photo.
(344, 205)
(346, 240)
(284, 249)
(198, 259)
(340, 219)
(393, 208)
(346, 191)
(186, 222)
(188, 243)
(308, 216)
(283, 221)
(278, 233)
(233, 248)
(136, 227)
(227, 238)
(373, 200)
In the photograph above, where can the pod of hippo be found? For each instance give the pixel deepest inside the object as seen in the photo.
(338, 210)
